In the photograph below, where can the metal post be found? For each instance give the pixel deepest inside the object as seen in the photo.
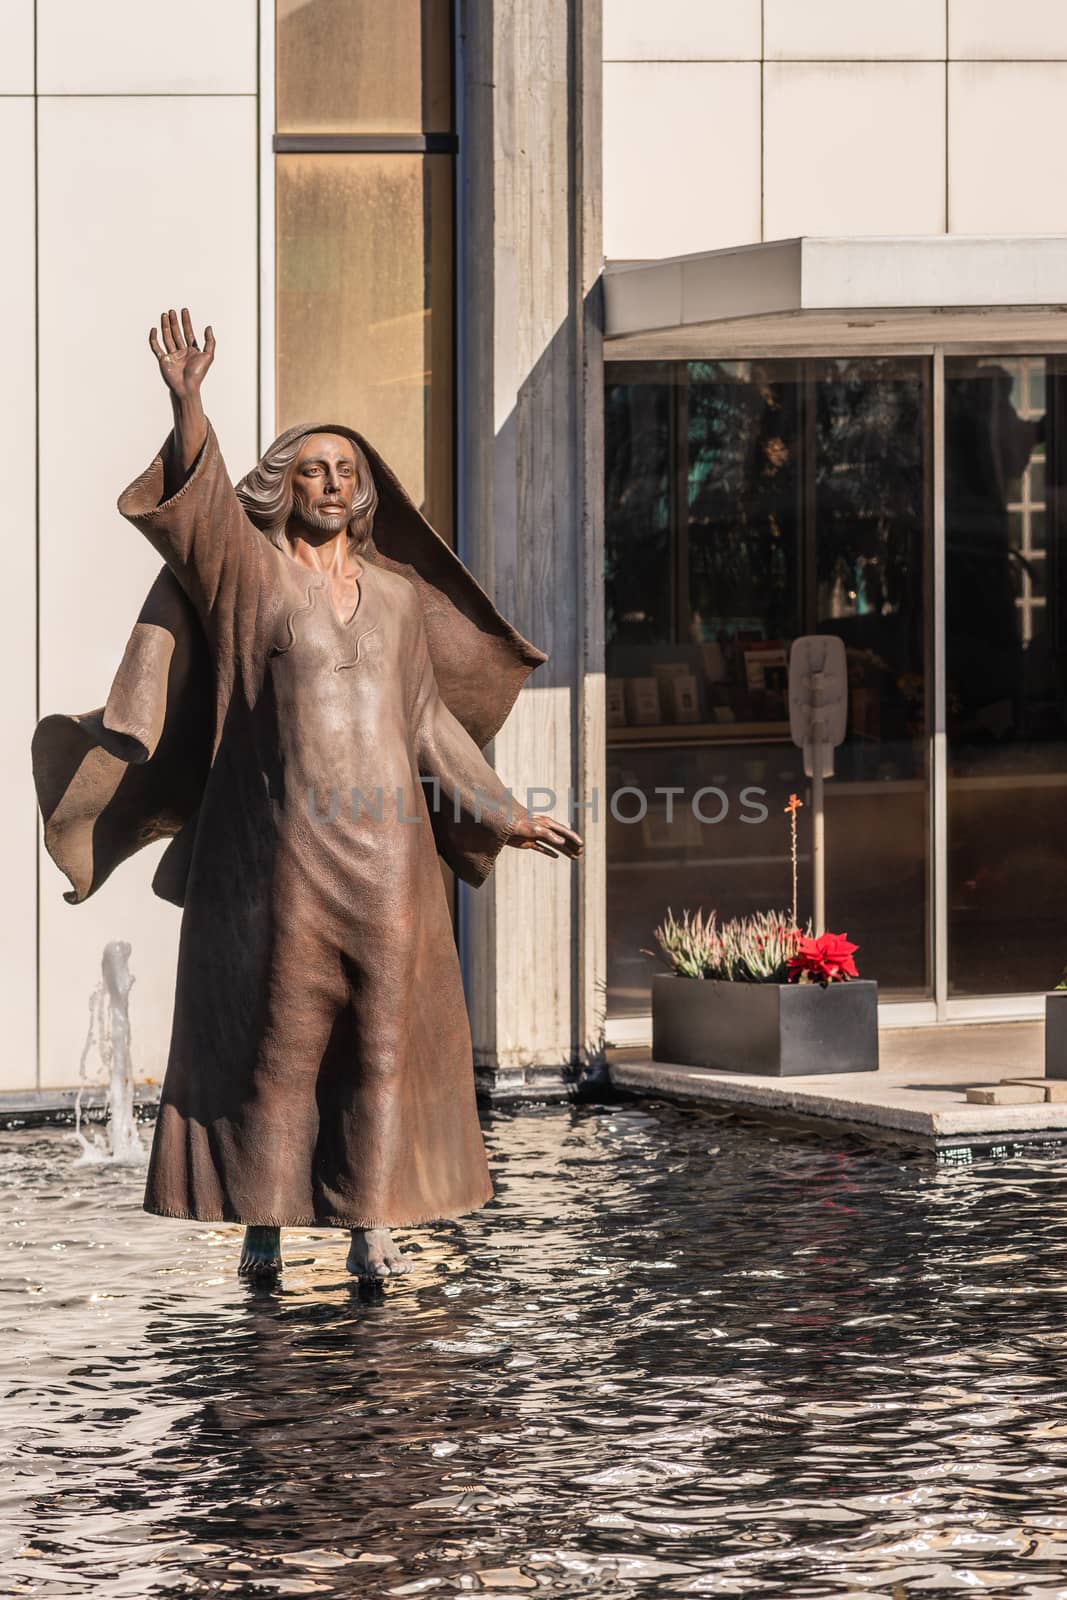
(818, 837)
(938, 778)
(818, 707)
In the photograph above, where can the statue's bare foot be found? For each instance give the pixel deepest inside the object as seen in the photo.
(261, 1253)
(374, 1255)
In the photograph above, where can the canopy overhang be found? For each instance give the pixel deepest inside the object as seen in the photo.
(848, 293)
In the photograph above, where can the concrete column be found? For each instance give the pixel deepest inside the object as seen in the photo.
(533, 936)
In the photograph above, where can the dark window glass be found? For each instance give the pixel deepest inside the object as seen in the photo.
(869, 505)
(1006, 660)
(744, 507)
(749, 502)
(640, 485)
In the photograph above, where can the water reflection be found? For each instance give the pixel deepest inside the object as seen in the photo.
(676, 1356)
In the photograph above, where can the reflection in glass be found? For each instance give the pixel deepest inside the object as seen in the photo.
(639, 417)
(1005, 691)
(748, 502)
(744, 466)
(364, 66)
(869, 506)
(365, 308)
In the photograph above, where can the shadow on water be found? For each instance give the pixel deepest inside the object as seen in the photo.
(677, 1355)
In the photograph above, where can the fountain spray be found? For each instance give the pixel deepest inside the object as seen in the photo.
(109, 1036)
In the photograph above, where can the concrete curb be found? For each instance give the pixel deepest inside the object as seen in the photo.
(883, 1105)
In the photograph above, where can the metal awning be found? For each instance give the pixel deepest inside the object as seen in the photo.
(860, 293)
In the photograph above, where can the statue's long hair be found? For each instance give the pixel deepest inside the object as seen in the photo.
(266, 493)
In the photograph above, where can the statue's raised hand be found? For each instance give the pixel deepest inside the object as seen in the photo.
(182, 362)
(184, 367)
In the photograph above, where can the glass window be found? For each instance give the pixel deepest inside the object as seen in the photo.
(640, 419)
(364, 66)
(1006, 662)
(749, 502)
(743, 519)
(364, 308)
(364, 233)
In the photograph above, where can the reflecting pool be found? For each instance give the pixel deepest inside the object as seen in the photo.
(677, 1355)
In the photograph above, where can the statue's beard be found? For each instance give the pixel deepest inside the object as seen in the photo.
(320, 521)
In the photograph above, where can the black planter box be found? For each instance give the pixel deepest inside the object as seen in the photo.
(1056, 1034)
(779, 1030)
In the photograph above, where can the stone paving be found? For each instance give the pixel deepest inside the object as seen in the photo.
(917, 1097)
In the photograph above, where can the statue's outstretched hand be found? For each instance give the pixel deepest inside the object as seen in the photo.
(552, 838)
(181, 361)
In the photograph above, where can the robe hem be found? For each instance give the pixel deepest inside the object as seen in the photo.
(420, 1220)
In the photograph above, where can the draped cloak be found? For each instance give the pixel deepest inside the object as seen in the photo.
(308, 770)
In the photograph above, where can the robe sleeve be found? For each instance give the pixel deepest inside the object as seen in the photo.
(472, 812)
(201, 532)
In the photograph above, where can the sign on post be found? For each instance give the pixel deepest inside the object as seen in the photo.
(818, 713)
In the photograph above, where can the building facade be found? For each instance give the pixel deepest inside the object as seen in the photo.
(835, 402)
(694, 327)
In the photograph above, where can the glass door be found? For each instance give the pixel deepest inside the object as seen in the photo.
(1006, 673)
(749, 502)
(869, 542)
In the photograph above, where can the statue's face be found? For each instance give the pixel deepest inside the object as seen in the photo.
(324, 482)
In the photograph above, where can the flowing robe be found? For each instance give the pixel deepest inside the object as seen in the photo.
(320, 1069)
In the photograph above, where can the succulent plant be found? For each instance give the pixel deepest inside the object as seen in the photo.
(755, 949)
(691, 947)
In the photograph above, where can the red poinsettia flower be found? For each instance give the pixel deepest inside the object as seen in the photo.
(827, 959)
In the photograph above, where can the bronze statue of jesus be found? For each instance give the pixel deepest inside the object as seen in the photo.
(349, 670)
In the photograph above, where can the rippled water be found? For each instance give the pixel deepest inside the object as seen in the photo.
(676, 1356)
